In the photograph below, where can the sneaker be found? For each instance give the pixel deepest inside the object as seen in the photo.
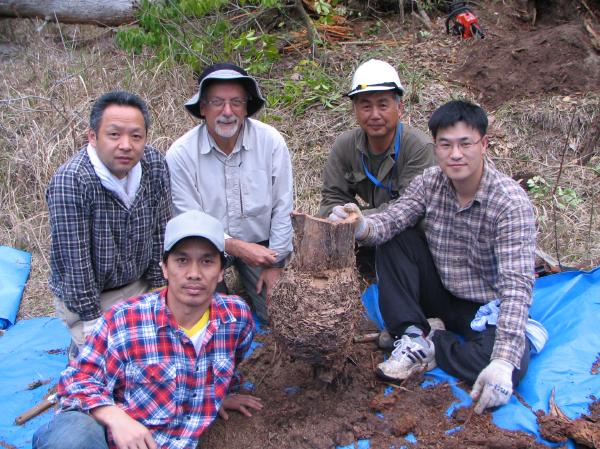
(408, 356)
(386, 341)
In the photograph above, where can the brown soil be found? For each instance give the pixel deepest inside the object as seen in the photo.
(596, 366)
(585, 430)
(301, 412)
(517, 59)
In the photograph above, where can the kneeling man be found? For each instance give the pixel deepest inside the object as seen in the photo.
(156, 370)
(477, 249)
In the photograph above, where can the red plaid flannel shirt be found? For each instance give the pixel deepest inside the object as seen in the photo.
(139, 360)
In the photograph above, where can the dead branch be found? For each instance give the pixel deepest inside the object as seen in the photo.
(310, 28)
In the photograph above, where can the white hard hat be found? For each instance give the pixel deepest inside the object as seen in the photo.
(375, 75)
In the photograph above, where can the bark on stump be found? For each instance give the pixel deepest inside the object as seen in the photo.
(315, 306)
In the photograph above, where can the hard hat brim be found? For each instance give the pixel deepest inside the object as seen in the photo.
(375, 88)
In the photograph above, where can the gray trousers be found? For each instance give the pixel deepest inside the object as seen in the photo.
(107, 300)
(249, 276)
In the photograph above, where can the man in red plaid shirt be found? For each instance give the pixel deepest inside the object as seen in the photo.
(157, 369)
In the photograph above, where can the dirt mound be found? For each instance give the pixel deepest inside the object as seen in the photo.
(303, 413)
(517, 59)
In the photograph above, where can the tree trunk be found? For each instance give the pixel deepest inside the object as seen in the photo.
(315, 306)
(100, 12)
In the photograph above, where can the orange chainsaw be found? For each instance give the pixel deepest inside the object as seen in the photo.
(463, 22)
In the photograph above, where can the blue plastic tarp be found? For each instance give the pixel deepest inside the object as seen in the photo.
(30, 351)
(14, 271)
(568, 305)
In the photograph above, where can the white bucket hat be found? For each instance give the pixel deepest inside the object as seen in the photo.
(227, 72)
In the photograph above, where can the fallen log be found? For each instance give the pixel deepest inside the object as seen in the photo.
(99, 12)
(315, 305)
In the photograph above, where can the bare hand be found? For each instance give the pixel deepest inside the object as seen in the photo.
(240, 402)
(252, 254)
(268, 278)
(126, 432)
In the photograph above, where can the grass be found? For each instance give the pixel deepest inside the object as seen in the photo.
(52, 74)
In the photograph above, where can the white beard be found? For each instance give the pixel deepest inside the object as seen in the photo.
(227, 131)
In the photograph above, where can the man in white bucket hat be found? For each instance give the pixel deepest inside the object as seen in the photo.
(375, 162)
(238, 170)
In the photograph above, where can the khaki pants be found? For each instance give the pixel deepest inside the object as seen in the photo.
(107, 300)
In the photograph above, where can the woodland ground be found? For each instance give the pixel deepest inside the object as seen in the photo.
(540, 84)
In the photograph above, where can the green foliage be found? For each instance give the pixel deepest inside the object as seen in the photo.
(310, 85)
(432, 5)
(187, 31)
(542, 190)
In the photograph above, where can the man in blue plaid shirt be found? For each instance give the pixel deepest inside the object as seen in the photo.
(108, 208)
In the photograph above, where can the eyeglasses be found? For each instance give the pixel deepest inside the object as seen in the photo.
(234, 103)
(464, 145)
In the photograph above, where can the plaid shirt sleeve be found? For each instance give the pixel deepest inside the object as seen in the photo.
(515, 253)
(403, 213)
(88, 381)
(163, 213)
(68, 208)
(245, 340)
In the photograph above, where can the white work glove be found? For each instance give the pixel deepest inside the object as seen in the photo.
(88, 326)
(360, 224)
(493, 386)
(337, 213)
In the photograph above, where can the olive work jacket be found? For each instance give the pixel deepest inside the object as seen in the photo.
(344, 177)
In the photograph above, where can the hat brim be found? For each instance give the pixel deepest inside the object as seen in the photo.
(255, 102)
(357, 91)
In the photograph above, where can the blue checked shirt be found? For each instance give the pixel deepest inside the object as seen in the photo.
(97, 242)
(138, 359)
(483, 251)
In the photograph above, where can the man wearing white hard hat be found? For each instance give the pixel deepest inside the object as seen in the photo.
(374, 163)
(157, 369)
(238, 170)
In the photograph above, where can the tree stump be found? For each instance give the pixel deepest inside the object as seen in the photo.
(315, 305)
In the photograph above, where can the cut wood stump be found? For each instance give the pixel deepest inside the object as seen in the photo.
(315, 305)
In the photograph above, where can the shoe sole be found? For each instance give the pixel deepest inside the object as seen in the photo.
(423, 368)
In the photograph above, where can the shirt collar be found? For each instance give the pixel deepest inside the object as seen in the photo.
(485, 185)
(207, 143)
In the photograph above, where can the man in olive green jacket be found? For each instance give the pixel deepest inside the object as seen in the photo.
(378, 160)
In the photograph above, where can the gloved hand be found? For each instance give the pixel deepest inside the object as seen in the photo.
(338, 213)
(493, 386)
(360, 224)
(88, 326)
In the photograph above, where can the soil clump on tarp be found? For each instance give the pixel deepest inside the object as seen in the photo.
(301, 412)
(557, 55)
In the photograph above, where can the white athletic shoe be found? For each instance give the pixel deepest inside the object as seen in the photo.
(408, 356)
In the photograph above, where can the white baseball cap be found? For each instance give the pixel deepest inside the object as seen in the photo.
(194, 223)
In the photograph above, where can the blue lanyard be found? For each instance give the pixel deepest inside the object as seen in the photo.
(373, 178)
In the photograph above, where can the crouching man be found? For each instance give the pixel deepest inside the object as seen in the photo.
(477, 252)
(156, 370)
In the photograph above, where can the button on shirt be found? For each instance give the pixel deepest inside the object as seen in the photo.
(99, 243)
(140, 360)
(250, 190)
(483, 251)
